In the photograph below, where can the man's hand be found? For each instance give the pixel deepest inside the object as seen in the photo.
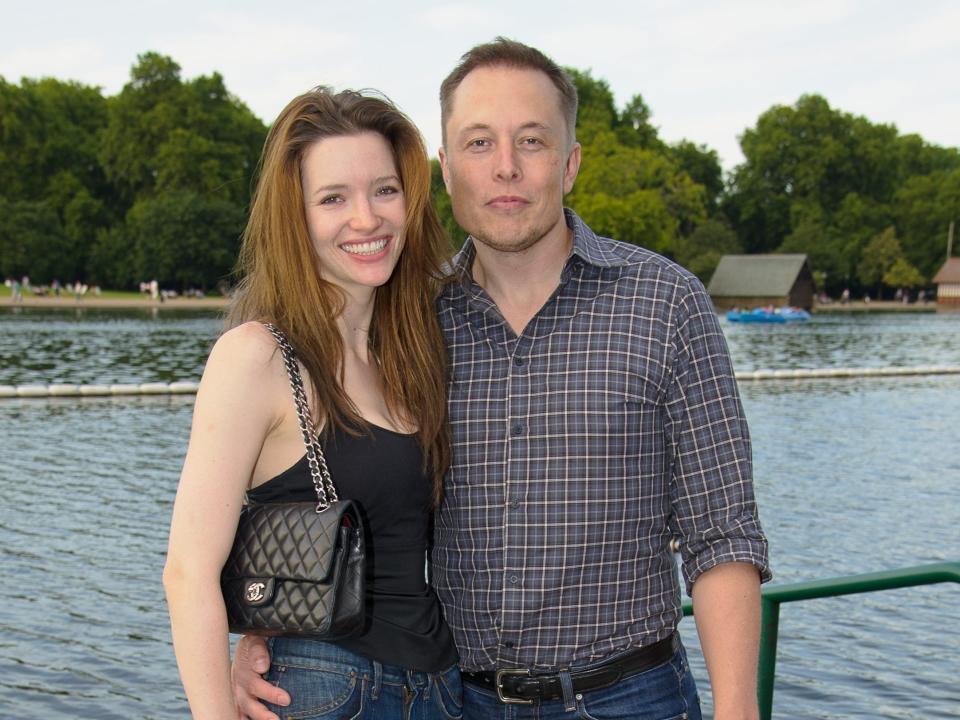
(249, 688)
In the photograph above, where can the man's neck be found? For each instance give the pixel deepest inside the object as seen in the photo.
(521, 282)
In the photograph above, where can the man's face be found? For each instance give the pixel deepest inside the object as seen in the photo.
(507, 161)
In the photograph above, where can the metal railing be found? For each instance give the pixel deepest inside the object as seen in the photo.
(775, 595)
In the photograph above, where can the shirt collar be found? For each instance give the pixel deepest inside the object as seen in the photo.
(586, 246)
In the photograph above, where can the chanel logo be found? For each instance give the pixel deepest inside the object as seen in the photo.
(255, 591)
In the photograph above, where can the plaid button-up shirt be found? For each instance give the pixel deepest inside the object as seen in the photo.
(580, 448)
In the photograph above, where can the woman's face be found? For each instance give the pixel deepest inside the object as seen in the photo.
(354, 206)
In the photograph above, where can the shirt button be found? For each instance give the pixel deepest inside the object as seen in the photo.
(518, 361)
(514, 502)
(514, 579)
(516, 429)
(508, 644)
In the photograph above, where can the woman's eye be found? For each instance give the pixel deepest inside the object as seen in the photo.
(331, 199)
(388, 190)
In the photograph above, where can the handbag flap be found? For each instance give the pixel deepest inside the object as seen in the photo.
(288, 541)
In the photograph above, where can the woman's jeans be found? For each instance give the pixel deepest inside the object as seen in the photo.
(325, 681)
(666, 692)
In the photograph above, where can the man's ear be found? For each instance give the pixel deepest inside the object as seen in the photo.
(573, 167)
(444, 168)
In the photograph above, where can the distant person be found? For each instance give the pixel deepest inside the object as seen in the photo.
(343, 252)
(16, 291)
(845, 297)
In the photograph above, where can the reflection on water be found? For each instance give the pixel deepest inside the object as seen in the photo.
(109, 346)
(92, 346)
(847, 340)
(852, 476)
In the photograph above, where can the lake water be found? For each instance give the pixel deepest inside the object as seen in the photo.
(852, 475)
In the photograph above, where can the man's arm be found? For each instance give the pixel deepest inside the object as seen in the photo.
(726, 603)
(249, 688)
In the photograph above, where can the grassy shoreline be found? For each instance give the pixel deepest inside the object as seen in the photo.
(119, 300)
(114, 299)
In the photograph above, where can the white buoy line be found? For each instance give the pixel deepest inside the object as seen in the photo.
(67, 390)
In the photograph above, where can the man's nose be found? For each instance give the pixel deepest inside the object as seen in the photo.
(508, 165)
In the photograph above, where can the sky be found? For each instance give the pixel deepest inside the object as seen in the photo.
(707, 70)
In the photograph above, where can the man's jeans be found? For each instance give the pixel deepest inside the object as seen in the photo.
(666, 692)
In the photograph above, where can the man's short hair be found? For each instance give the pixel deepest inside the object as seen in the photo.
(512, 54)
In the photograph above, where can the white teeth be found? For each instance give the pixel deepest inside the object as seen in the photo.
(367, 248)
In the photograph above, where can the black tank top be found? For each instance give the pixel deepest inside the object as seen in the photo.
(382, 472)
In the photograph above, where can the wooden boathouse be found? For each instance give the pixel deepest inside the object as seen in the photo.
(748, 281)
(947, 281)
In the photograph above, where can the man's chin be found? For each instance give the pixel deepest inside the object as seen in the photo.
(513, 240)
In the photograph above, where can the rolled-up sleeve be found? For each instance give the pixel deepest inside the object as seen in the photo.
(711, 487)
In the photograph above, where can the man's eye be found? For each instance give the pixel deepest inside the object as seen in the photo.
(479, 142)
(531, 141)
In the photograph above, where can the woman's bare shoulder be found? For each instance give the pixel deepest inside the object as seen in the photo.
(245, 353)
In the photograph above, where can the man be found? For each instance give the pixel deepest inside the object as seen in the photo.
(594, 416)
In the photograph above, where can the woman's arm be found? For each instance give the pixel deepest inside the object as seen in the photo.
(235, 410)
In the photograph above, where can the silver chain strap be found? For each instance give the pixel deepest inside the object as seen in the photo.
(322, 482)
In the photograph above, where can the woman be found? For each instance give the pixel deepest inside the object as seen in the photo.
(342, 252)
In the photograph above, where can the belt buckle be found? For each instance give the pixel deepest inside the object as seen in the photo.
(498, 679)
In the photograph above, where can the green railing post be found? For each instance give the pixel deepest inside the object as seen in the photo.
(767, 665)
(772, 597)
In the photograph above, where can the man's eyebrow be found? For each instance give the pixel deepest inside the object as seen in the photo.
(473, 127)
(531, 125)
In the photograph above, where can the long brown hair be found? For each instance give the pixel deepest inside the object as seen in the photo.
(281, 280)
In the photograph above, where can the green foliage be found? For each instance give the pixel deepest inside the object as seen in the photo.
(185, 239)
(32, 241)
(703, 166)
(165, 135)
(902, 274)
(824, 182)
(90, 185)
(879, 257)
(700, 253)
(155, 181)
(631, 186)
(923, 208)
(441, 201)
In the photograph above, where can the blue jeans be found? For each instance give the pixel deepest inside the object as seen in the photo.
(325, 681)
(666, 692)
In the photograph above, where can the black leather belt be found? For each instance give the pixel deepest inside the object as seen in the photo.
(523, 686)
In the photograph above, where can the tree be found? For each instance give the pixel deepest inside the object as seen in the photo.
(441, 201)
(703, 166)
(181, 239)
(700, 253)
(165, 134)
(32, 241)
(923, 208)
(879, 256)
(631, 186)
(903, 274)
(808, 154)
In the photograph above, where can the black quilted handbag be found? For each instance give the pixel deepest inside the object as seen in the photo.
(298, 568)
